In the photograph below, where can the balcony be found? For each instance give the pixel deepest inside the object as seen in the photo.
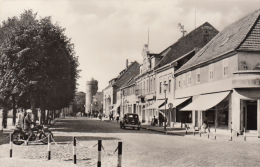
(246, 79)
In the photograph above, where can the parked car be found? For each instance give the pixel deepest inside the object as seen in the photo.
(130, 120)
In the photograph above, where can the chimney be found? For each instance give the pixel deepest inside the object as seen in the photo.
(126, 63)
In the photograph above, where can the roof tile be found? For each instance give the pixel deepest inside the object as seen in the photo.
(228, 40)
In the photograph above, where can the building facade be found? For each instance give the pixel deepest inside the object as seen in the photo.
(146, 90)
(222, 79)
(110, 101)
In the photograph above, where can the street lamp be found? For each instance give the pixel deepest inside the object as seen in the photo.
(165, 90)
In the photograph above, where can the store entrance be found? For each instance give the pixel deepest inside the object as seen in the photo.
(252, 115)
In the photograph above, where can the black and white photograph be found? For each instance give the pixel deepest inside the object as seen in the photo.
(129, 83)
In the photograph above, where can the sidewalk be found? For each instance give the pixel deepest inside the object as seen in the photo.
(223, 135)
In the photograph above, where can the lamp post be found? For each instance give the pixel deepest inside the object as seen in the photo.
(165, 90)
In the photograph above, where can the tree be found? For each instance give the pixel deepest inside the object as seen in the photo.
(79, 102)
(37, 63)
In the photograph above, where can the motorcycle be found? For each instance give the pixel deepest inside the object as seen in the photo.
(38, 133)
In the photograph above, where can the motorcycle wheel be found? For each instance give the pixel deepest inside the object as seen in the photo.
(17, 137)
(44, 136)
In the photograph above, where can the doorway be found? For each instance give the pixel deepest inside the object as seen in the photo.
(251, 115)
(143, 114)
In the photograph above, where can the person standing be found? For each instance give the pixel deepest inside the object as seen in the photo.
(27, 123)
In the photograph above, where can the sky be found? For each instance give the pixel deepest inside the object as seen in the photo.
(108, 32)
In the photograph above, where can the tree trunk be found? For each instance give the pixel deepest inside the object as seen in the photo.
(42, 111)
(14, 110)
(52, 114)
(4, 117)
(40, 116)
(32, 101)
(48, 117)
(1, 125)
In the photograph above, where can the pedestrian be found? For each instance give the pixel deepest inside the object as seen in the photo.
(49, 119)
(117, 117)
(27, 124)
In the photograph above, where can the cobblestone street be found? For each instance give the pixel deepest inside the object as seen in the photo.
(142, 148)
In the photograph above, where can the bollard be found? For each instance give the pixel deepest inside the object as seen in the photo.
(231, 135)
(244, 134)
(215, 134)
(49, 146)
(11, 145)
(99, 153)
(119, 163)
(186, 131)
(74, 150)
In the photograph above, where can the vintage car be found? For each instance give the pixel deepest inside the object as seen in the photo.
(130, 120)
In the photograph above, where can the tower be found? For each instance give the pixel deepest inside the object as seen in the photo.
(91, 90)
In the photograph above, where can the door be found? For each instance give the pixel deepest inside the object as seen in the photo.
(252, 115)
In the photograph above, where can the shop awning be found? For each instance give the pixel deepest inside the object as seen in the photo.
(175, 103)
(162, 113)
(155, 104)
(205, 102)
(115, 108)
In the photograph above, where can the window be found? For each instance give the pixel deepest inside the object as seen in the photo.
(169, 86)
(154, 84)
(211, 72)
(151, 85)
(179, 81)
(141, 89)
(198, 75)
(160, 87)
(189, 78)
(147, 86)
(144, 88)
(183, 80)
(225, 67)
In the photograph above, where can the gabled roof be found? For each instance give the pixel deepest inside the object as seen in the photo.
(131, 81)
(197, 38)
(131, 71)
(241, 35)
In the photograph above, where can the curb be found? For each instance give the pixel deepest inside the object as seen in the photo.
(159, 131)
